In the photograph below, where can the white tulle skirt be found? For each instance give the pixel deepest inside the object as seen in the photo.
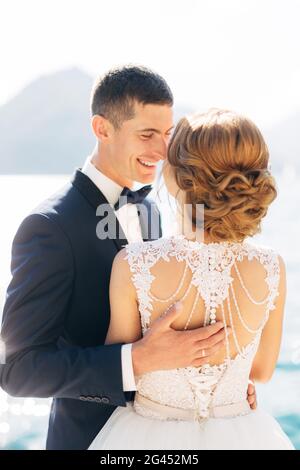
(127, 430)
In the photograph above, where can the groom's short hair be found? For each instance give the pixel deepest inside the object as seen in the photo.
(114, 93)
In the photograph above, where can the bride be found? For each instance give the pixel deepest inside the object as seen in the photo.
(220, 160)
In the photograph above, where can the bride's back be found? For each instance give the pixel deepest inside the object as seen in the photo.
(236, 283)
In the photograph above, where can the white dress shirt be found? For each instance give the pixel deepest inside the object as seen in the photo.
(129, 221)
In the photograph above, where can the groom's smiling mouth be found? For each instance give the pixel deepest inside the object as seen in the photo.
(147, 164)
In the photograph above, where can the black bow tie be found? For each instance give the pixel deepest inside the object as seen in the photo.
(132, 197)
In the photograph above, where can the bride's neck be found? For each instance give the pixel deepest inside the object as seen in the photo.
(201, 236)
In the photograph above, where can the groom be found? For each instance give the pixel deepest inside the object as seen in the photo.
(56, 314)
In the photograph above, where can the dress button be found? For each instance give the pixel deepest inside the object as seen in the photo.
(98, 399)
(105, 400)
(90, 398)
(82, 398)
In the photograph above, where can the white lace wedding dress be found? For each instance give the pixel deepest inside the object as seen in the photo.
(206, 407)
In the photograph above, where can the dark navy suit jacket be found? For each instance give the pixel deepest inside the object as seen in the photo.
(57, 314)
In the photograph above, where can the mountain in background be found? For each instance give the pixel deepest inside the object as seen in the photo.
(46, 128)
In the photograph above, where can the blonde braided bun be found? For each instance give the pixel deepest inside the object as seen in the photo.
(220, 159)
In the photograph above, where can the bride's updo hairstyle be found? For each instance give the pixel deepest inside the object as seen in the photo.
(220, 159)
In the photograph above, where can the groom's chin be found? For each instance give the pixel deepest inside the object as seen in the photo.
(146, 179)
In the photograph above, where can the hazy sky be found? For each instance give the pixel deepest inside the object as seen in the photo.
(240, 54)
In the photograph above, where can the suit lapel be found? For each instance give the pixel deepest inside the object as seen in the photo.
(95, 198)
(148, 212)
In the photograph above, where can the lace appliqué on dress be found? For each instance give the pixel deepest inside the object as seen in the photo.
(202, 388)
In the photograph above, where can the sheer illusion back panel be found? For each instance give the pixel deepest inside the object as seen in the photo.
(177, 269)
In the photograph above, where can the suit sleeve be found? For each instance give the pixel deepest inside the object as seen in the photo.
(33, 321)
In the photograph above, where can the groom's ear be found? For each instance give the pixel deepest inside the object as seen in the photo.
(101, 127)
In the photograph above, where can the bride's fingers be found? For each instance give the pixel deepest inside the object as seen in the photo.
(251, 399)
(251, 389)
(251, 396)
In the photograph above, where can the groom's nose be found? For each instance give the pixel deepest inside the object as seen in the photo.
(163, 148)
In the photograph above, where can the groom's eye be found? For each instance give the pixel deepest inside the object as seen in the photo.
(146, 136)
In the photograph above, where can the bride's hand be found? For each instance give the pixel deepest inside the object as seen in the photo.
(251, 395)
